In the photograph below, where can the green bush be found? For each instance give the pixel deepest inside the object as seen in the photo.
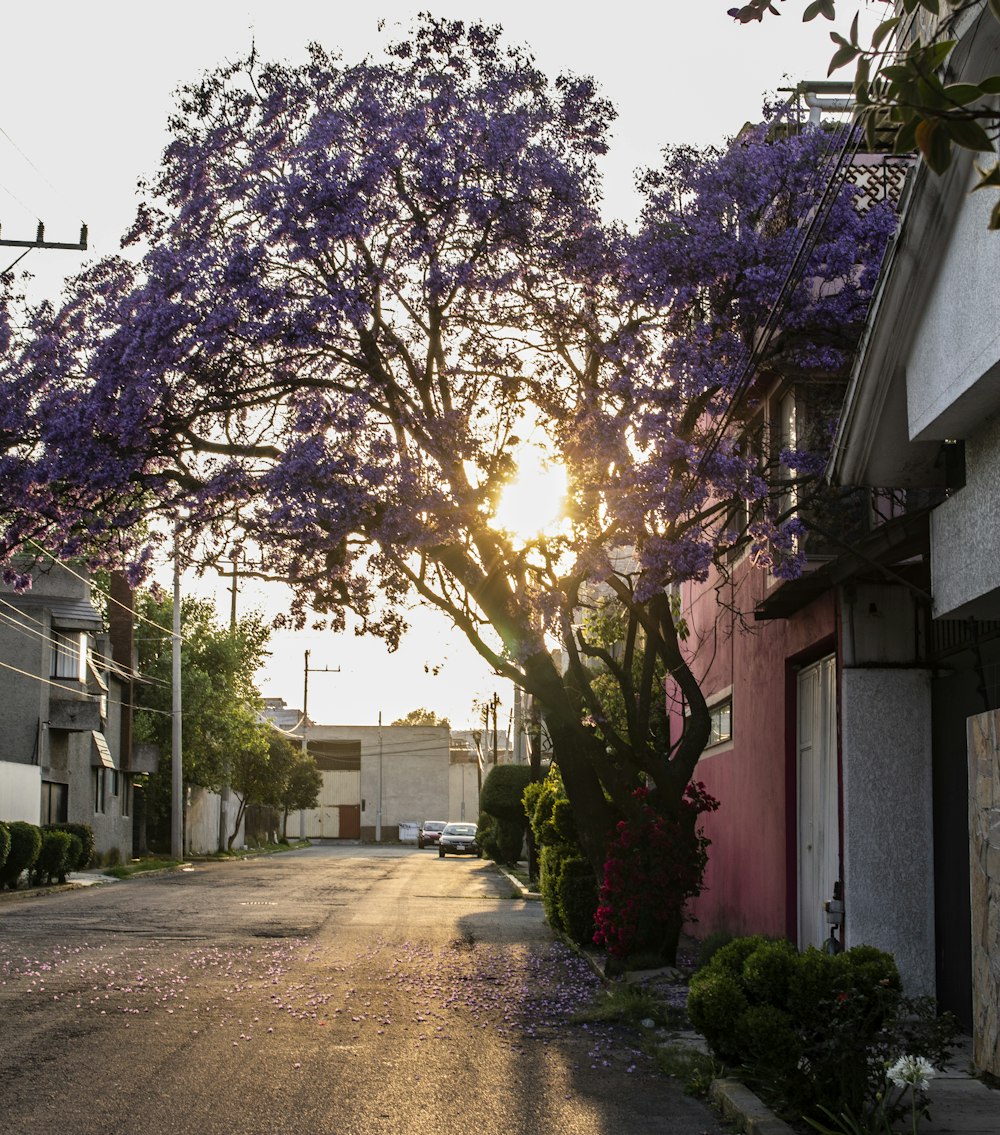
(716, 1002)
(550, 862)
(52, 861)
(767, 972)
(4, 844)
(25, 844)
(502, 800)
(576, 899)
(85, 834)
(813, 1030)
(503, 792)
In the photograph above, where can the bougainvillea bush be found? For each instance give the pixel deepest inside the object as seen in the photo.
(655, 864)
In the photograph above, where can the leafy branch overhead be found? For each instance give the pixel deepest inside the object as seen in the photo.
(903, 86)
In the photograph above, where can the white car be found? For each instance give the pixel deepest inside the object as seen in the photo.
(458, 839)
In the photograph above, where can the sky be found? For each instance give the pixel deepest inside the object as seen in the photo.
(85, 93)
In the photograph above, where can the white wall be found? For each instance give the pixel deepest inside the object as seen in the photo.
(20, 792)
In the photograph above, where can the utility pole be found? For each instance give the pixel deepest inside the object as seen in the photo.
(305, 693)
(41, 242)
(378, 809)
(176, 768)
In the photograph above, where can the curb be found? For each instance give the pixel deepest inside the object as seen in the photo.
(738, 1104)
(526, 891)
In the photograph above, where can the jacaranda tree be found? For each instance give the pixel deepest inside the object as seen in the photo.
(359, 289)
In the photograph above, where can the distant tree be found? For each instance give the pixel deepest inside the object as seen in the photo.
(302, 784)
(220, 703)
(422, 717)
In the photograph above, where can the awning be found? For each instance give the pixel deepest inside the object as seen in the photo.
(100, 753)
(74, 615)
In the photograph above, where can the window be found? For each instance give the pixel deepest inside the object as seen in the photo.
(722, 722)
(69, 655)
(55, 802)
(100, 789)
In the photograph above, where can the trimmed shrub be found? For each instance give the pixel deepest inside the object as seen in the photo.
(25, 844)
(52, 861)
(550, 862)
(502, 799)
(576, 899)
(812, 1031)
(767, 972)
(716, 1002)
(85, 834)
(4, 844)
(503, 792)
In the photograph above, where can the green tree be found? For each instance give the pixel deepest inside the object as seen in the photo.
(302, 781)
(221, 727)
(422, 716)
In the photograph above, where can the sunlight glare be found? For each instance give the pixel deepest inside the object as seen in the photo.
(533, 503)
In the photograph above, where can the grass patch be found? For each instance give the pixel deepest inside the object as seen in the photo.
(624, 1004)
(696, 1070)
(138, 866)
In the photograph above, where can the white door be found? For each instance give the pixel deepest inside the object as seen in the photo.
(818, 798)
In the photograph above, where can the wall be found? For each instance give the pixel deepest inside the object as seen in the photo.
(750, 880)
(463, 792)
(965, 534)
(414, 763)
(20, 792)
(984, 830)
(887, 804)
(202, 816)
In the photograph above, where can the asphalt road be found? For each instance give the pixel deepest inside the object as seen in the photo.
(328, 991)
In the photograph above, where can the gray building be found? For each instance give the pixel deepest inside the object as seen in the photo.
(65, 723)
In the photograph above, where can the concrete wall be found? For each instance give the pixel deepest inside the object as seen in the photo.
(888, 818)
(965, 534)
(984, 831)
(20, 792)
(955, 351)
(414, 778)
(202, 820)
(463, 793)
(750, 880)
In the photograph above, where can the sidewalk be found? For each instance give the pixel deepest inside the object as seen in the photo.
(959, 1103)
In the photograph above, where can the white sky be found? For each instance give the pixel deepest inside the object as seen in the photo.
(85, 90)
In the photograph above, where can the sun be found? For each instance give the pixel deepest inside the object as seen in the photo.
(533, 503)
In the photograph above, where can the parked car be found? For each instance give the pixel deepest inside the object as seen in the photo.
(458, 839)
(430, 832)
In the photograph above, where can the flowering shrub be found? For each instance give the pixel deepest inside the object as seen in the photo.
(654, 865)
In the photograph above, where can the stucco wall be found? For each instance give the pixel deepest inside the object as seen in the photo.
(965, 534)
(414, 762)
(888, 818)
(20, 792)
(957, 340)
(750, 876)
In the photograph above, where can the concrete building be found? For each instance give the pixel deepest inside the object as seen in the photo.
(65, 726)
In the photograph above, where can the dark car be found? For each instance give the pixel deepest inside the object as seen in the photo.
(430, 832)
(458, 839)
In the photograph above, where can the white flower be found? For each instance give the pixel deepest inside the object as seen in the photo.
(911, 1071)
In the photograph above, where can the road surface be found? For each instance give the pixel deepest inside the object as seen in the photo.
(345, 990)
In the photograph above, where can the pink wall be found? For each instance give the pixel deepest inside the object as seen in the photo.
(750, 877)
